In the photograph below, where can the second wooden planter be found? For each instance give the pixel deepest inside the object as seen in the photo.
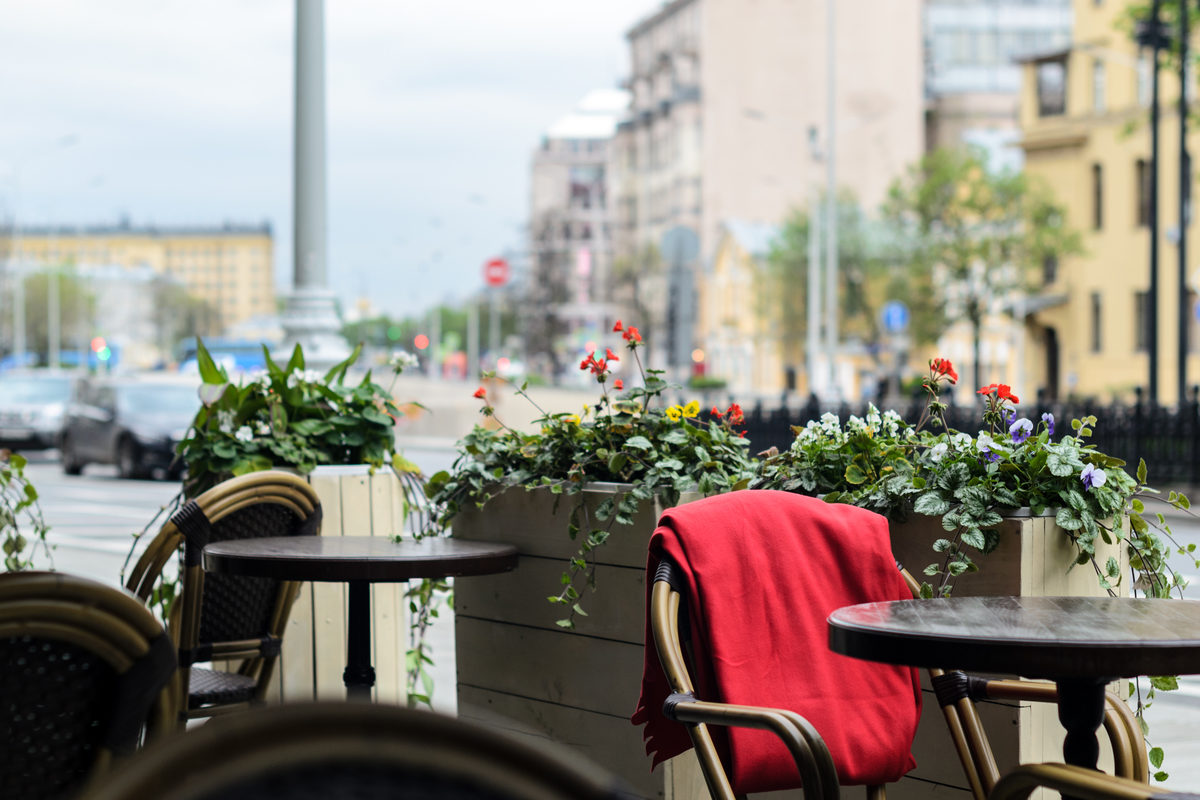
(519, 670)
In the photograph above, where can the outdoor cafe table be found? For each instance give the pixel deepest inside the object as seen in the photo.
(1081, 643)
(357, 561)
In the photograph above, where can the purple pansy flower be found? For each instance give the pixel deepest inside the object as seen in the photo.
(1092, 478)
(1009, 414)
(1048, 418)
(1020, 430)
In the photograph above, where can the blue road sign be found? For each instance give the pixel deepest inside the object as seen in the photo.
(895, 316)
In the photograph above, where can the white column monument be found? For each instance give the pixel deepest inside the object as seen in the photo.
(310, 318)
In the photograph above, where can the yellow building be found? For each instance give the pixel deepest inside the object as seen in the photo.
(230, 267)
(733, 338)
(1085, 123)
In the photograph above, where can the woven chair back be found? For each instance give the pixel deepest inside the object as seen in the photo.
(83, 669)
(361, 750)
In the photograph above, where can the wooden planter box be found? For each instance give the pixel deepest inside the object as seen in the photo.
(1033, 559)
(518, 670)
(354, 502)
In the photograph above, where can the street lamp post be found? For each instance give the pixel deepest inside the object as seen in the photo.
(1152, 34)
(831, 221)
(1185, 179)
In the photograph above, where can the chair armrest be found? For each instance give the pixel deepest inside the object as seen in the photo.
(1124, 733)
(1076, 782)
(818, 774)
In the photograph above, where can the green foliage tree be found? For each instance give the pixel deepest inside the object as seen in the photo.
(871, 271)
(75, 302)
(979, 234)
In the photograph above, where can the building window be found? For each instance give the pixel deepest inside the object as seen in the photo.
(1098, 99)
(1097, 196)
(1142, 183)
(1049, 269)
(1141, 321)
(1052, 87)
(1097, 323)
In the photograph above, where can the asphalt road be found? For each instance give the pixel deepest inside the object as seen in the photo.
(94, 517)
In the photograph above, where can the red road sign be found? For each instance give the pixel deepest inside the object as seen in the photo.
(495, 272)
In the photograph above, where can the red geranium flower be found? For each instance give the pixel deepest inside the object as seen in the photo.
(735, 414)
(632, 335)
(480, 393)
(941, 367)
(618, 385)
(617, 327)
(610, 355)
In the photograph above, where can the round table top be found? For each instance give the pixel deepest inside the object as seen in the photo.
(1037, 637)
(376, 559)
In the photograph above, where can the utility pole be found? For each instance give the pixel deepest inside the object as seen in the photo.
(831, 221)
(813, 342)
(1185, 186)
(1151, 34)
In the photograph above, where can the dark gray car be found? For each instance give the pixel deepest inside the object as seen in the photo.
(31, 409)
(133, 423)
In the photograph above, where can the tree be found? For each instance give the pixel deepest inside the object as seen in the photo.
(75, 303)
(871, 271)
(978, 234)
(635, 279)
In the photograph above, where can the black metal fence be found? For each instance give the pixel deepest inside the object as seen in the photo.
(1167, 438)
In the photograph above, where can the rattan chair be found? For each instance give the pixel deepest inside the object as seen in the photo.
(956, 692)
(224, 617)
(1079, 782)
(353, 750)
(85, 672)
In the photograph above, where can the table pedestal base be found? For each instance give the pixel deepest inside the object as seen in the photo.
(359, 675)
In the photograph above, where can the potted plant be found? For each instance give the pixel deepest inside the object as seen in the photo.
(340, 435)
(22, 527)
(579, 497)
(1050, 513)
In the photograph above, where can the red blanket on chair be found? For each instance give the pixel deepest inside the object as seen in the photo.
(764, 569)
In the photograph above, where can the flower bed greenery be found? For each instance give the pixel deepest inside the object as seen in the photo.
(630, 436)
(970, 480)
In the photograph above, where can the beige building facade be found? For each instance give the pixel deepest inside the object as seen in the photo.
(230, 267)
(1086, 132)
(728, 122)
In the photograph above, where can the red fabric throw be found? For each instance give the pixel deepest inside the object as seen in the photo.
(764, 569)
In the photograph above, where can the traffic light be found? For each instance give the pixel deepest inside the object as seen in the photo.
(101, 348)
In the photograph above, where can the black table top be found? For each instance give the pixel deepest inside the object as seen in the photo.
(357, 558)
(1037, 637)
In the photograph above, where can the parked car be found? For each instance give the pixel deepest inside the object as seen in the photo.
(31, 408)
(134, 423)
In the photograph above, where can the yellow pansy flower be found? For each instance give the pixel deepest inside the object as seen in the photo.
(692, 409)
(674, 413)
(571, 418)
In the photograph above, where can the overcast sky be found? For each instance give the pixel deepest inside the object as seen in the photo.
(180, 112)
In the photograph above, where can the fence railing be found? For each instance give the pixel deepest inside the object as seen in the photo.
(1167, 438)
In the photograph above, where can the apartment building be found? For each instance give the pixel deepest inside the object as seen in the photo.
(972, 72)
(1086, 131)
(571, 280)
(728, 121)
(230, 267)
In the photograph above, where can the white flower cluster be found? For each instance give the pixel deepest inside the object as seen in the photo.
(402, 360)
(827, 429)
(225, 421)
(299, 376)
